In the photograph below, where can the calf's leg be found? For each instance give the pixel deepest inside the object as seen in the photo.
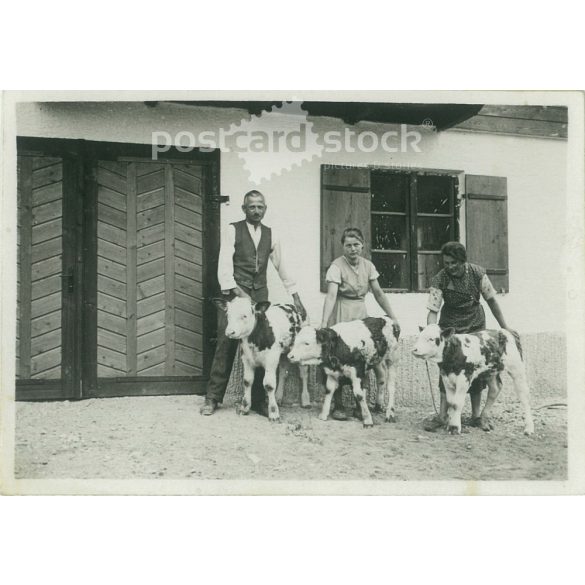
(518, 374)
(282, 374)
(456, 387)
(270, 388)
(381, 377)
(249, 371)
(494, 388)
(331, 385)
(359, 396)
(391, 391)
(305, 396)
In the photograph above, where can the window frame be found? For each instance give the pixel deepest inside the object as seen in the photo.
(456, 211)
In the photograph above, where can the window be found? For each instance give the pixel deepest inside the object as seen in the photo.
(412, 216)
(406, 216)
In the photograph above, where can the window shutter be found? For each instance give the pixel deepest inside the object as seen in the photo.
(486, 220)
(345, 202)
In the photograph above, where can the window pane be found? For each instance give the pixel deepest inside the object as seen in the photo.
(432, 232)
(433, 193)
(389, 232)
(389, 191)
(428, 266)
(393, 269)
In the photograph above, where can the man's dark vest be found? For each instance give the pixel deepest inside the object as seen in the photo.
(250, 264)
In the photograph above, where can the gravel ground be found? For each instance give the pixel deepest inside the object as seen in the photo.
(165, 437)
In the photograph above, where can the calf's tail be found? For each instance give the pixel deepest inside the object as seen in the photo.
(517, 341)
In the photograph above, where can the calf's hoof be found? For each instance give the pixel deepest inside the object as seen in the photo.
(486, 424)
(274, 419)
(390, 418)
(529, 430)
(243, 410)
(368, 425)
(322, 417)
(453, 430)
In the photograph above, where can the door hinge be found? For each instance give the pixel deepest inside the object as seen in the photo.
(216, 200)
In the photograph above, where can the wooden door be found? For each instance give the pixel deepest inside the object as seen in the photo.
(150, 289)
(116, 256)
(48, 287)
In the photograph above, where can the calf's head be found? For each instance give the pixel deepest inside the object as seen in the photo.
(306, 348)
(241, 315)
(430, 342)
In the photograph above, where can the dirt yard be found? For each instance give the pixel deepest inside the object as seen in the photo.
(165, 437)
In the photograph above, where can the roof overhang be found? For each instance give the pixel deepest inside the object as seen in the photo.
(440, 116)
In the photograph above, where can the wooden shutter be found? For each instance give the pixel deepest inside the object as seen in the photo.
(345, 202)
(486, 220)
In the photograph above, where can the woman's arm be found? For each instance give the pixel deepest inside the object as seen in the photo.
(497, 312)
(329, 303)
(432, 317)
(382, 299)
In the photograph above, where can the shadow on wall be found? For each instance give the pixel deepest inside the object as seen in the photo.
(544, 355)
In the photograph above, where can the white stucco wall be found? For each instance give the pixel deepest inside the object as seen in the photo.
(535, 169)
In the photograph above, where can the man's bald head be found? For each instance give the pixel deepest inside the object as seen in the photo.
(255, 194)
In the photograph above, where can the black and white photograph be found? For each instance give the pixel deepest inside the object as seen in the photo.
(292, 292)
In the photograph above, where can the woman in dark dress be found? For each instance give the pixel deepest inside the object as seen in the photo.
(455, 291)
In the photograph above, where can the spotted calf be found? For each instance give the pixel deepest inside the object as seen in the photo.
(349, 350)
(464, 357)
(266, 332)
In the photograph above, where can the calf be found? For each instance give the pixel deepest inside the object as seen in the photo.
(266, 333)
(464, 357)
(349, 350)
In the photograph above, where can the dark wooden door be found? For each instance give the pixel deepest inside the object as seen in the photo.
(117, 254)
(48, 283)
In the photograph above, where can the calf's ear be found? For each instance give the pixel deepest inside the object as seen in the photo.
(261, 306)
(220, 303)
(324, 335)
(447, 332)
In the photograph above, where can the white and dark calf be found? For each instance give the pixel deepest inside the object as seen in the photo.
(465, 357)
(350, 350)
(267, 333)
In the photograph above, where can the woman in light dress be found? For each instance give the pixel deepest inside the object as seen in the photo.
(349, 278)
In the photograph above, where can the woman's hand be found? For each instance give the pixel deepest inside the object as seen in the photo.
(514, 333)
(396, 328)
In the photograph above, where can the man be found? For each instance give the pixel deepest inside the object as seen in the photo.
(246, 247)
(456, 292)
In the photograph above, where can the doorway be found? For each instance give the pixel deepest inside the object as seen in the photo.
(117, 255)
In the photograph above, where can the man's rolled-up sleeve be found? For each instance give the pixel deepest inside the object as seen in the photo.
(225, 264)
(277, 259)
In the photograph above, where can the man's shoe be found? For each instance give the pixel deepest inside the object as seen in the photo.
(338, 414)
(209, 407)
(434, 424)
